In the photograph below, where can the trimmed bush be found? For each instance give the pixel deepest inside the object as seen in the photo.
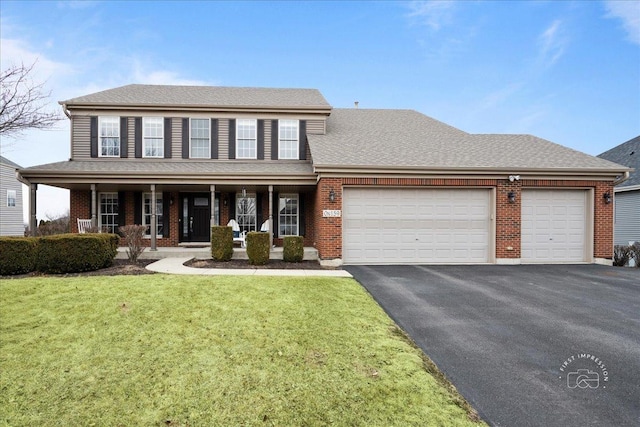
(258, 248)
(221, 243)
(72, 253)
(18, 255)
(293, 249)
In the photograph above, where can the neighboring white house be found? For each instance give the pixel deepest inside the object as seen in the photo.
(627, 193)
(11, 215)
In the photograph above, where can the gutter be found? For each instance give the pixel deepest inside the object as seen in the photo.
(623, 178)
(65, 110)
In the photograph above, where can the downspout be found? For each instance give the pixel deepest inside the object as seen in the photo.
(68, 114)
(623, 178)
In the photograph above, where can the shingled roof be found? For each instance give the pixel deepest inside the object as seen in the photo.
(627, 154)
(203, 96)
(395, 139)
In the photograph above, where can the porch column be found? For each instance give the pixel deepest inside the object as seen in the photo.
(94, 206)
(212, 222)
(33, 221)
(154, 227)
(270, 217)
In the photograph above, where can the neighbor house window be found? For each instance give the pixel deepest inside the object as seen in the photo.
(288, 139)
(109, 136)
(153, 137)
(246, 141)
(288, 215)
(200, 145)
(108, 217)
(246, 212)
(11, 198)
(146, 213)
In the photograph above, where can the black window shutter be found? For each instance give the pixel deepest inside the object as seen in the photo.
(166, 217)
(93, 129)
(259, 216)
(167, 137)
(137, 206)
(137, 130)
(260, 139)
(274, 140)
(301, 227)
(185, 138)
(124, 137)
(214, 138)
(276, 214)
(302, 150)
(121, 209)
(232, 206)
(232, 138)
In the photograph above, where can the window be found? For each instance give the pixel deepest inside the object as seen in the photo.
(246, 212)
(108, 217)
(246, 141)
(146, 213)
(288, 139)
(200, 146)
(288, 215)
(109, 136)
(11, 198)
(152, 137)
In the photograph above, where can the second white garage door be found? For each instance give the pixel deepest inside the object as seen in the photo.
(554, 226)
(412, 226)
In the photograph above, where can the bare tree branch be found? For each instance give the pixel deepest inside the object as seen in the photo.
(23, 102)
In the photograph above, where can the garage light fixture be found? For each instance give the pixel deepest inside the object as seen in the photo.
(607, 197)
(332, 195)
(512, 197)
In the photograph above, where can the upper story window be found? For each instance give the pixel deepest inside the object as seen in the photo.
(200, 139)
(11, 198)
(246, 140)
(288, 139)
(109, 136)
(152, 137)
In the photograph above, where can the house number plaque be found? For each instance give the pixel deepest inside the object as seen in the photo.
(327, 213)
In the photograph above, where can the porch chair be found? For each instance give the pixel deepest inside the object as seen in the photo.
(265, 227)
(84, 225)
(237, 235)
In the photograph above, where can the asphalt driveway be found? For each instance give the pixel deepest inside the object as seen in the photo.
(551, 345)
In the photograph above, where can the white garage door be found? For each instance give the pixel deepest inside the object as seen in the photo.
(411, 226)
(554, 225)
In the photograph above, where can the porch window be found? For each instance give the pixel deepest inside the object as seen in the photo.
(11, 198)
(108, 213)
(246, 139)
(200, 145)
(288, 139)
(288, 215)
(146, 214)
(152, 137)
(246, 212)
(109, 136)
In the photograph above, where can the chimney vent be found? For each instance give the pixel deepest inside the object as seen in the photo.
(356, 103)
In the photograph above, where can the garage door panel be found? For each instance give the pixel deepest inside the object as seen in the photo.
(423, 226)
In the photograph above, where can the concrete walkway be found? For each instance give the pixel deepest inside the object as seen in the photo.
(176, 266)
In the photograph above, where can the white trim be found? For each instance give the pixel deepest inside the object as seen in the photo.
(100, 225)
(208, 120)
(255, 205)
(295, 196)
(15, 198)
(297, 145)
(158, 198)
(160, 156)
(508, 261)
(629, 188)
(100, 119)
(255, 124)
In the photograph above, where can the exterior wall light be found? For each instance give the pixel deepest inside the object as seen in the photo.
(607, 197)
(332, 195)
(512, 197)
(244, 192)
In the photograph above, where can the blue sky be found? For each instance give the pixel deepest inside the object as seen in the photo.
(561, 70)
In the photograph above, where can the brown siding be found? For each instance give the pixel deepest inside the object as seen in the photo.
(131, 137)
(176, 137)
(223, 139)
(81, 144)
(267, 139)
(316, 127)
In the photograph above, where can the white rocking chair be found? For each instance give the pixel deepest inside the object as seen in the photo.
(84, 225)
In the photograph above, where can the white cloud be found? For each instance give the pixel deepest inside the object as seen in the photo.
(552, 42)
(500, 96)
(16, 52)
(432, 13)
(140, 74)
(629, 13)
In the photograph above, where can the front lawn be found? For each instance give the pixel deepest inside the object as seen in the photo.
(201, 351)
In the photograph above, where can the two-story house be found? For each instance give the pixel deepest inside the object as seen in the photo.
(361, 186)
(11, 215)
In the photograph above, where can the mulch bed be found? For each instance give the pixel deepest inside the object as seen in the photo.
(243, 263)
(119, 267)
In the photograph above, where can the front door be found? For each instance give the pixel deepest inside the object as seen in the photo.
(196, 217)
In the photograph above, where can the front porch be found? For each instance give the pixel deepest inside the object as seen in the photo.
(204, 252)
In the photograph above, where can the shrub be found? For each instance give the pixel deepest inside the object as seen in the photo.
(221, 243)
(18, 255)
(635, 253)
(133, 236)
(293, 249)
(621, 255)
(72, 253)
(258, 248)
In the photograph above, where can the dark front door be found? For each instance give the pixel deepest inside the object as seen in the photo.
(196, 217)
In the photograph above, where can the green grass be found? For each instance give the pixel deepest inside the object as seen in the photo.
(204, 351)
